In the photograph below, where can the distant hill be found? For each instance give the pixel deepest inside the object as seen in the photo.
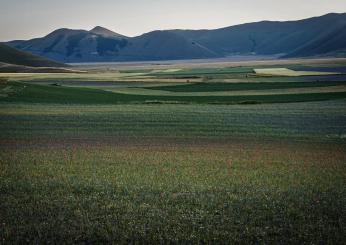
(318, 36)
(17, 57)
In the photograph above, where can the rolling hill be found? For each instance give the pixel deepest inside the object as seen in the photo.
(317, 36)
(13, 56)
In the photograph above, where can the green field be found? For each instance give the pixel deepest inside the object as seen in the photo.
(145, 156)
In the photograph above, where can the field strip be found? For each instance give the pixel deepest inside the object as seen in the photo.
(118, 86)
(149, 79)
(165, 71)
(143, 91)
(289, 72)
(105, 76)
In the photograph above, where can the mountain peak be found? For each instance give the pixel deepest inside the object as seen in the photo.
(105, 32)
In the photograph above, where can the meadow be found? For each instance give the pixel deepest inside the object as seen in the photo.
(174, 155)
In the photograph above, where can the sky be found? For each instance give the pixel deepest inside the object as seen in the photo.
(25, 19)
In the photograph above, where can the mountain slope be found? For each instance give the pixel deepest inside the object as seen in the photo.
(331, 41)
(273, 37)
(73, 45)
(17, 57)
(158, 45)
(309, 37)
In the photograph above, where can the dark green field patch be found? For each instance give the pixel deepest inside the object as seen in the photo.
(67, 95)
(213, 87)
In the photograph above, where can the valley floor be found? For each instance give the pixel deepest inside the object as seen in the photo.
(232, 158)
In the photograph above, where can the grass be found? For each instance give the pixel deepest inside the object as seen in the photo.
(56, 77)
(99, 193)
(85, 165)
(31, 93)
(218, 86)
(216, 94)
(321, 121)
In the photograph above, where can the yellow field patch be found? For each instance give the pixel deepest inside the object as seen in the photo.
(165, 71)
(289, 72)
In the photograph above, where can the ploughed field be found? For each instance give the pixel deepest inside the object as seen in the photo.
(219, 155)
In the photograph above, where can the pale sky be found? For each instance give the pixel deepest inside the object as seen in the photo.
(25, 19)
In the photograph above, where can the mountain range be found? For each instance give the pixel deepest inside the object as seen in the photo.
(317, 36)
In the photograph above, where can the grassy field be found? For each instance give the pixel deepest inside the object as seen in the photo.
(89, 159)
(234, 193)
(33, 93)
(321, 121)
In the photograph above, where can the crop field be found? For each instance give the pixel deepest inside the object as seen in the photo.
(174, 155)
(289, 72)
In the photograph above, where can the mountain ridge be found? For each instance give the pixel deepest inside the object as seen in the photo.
(302, 38)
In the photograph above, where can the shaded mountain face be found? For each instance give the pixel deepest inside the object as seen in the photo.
(14, 56)
(309, 37)
(101, 44)
(164, 45)
(75, 45)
